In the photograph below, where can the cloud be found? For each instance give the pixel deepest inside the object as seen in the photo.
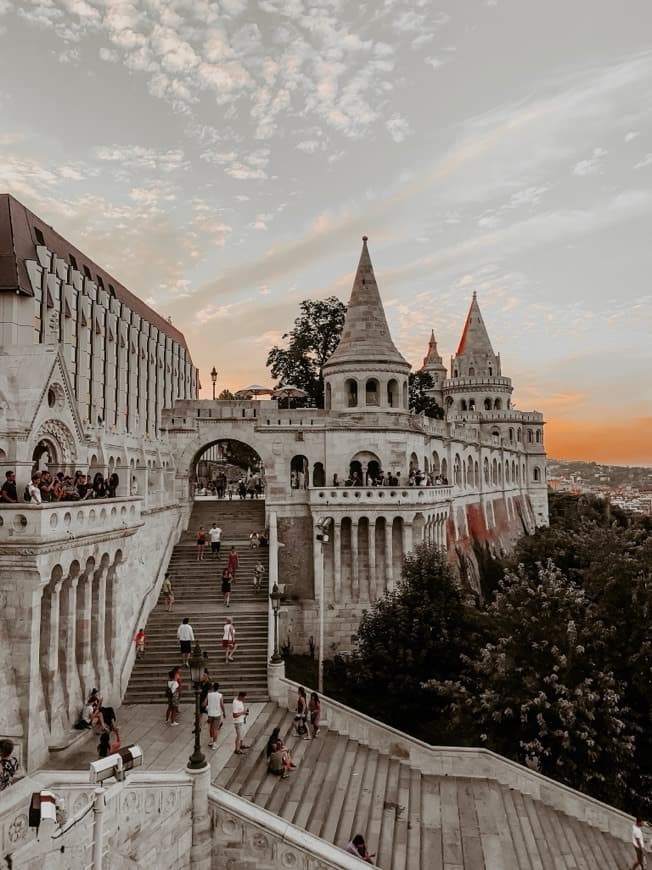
(140, 157)
(592, 165)
(631, 135)
(398, 128)
(645, 161)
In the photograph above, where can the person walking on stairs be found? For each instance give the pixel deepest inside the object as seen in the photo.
(239, 711)
(229, 644)
(233, 563)
(226, 586)
(173, 691)
(216, 713)
(259, 573)
(314, 711)
(215, 536)
(201, 543)
(300, 727)
(166, 589)
(185, 636)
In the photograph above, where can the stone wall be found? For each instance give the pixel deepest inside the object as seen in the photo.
(295, 560)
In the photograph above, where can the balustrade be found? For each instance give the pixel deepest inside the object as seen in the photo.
(50, 522)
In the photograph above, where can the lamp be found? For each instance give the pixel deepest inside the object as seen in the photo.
(197, 760)
(275, 598)
(214, 379)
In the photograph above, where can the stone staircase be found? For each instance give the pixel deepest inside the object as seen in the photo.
(198, 595)
(412, 821)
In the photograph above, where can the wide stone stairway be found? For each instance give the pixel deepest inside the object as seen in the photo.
(412, 821)
(198, 595)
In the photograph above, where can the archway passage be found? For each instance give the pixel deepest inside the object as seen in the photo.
(227, 469)
(44, 455)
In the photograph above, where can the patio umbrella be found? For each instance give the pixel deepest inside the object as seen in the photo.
(254, 390)
(291, 392)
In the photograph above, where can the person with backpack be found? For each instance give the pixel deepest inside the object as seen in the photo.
(173, 692)
(300, 727)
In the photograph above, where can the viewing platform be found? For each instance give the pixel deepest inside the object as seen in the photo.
(379, 496)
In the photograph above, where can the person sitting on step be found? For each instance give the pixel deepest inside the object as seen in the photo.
(279, 760)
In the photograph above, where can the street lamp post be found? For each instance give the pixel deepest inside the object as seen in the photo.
(321, 538)
(197, 760)
(275, 598)
(214, 379)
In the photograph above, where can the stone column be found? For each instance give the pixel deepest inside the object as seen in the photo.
(84, 623)
(72, 687)
(355, 567)
(200, 850)
(337, 560)
(389, 554)
(372, 559)
(56, 704)
(408, 538)
(99, 653)
(273, 578)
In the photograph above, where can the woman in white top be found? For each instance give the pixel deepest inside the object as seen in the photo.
(228, 640)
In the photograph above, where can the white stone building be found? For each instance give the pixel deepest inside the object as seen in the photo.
(93, 379)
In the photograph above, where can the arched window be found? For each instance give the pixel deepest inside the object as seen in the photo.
(476, 475)
(538, 436)
(471, 404)
(471, 372)
(299, 473)
(506, 471)
(511, 434)
(469, 472)
(518, 434)
(491, 371)
(444, 471)
(487, 404)
(318, 474)
(351, 387)
(494, 472)
(327, 397)
(495, 432)
(455, 374)
(372, 394)
(486, 470)
(436, 466)
(536, 474)
(457, 470)
(449, 402)
(414, 462)
(463, 405)
(500, 473)
(392, 393)
(497, 405)
(513, 471)
(530, 437)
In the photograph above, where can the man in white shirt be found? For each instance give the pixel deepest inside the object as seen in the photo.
(185, 636)
(240, 711)
(638, 843)
(215, 712)
(34, 491)
(215, 536)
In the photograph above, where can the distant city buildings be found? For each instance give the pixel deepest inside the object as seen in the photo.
(627, 487)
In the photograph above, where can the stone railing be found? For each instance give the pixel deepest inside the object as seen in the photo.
(68, 520)
(243, 832)
(473, 762)
(147, 814)
(380, 496)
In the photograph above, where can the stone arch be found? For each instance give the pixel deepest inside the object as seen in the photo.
(485, 467)
(511, 433)
(372, 392)
(476, 474)
(469, 472)
(498, 405)
(405, 394)
(351, 390)
(463, 406)
(299, 472)
(414, 462)
(364, 462)
(193, 451)
(60, 439)
(418, 528)
(494, 473)
(538, 436)
(444, 469)
(506, 471)
(318, 474)
(536, 474)
(393, 399)
(457, 470)
(472, 404)
(436, 464)
(530, 436)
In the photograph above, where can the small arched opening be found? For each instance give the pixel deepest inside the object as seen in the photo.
(351, 390)
(497, 405)
(372, 392)
(538, 436)
(405, 394)
(469, 472)
(486, 470)
(457, 470)
(510, 433)
(487, 404)
(436, 465)
(530, 436)
(463, 405)
(444, 471)
(536, 474)
(494, 472)
(476, 474)
(299, 472)
(392, 393)
(318, 474)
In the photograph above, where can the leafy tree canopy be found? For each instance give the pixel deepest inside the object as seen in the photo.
(310, 343)
(418, 400)
(225, 395)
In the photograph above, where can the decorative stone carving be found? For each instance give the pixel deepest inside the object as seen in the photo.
(63, 437)
(17, 830)
(129, 801)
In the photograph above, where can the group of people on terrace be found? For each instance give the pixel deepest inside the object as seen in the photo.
(46, 487)
(415, 478)
(245, 487)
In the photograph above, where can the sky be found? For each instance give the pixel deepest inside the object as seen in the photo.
(222, 159)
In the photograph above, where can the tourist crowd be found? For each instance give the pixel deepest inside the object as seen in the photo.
(415, 478)
(45, 487)
(245, 487)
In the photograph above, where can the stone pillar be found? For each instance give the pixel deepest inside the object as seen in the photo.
(84, 623)
(273, 578)
(355, 567)
(200, 851)
(72, 687)
(389, 555)
(55, 696)
(99, 617)
(372, 559)
(317, 562)
(276, 690)
(337, 560)
(408, 538)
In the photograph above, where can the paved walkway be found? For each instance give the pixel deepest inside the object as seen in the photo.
(164, 747)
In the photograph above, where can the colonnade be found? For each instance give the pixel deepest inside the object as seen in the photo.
(362, 558)
(78, 636)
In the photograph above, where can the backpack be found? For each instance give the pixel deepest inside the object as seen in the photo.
(168, 694)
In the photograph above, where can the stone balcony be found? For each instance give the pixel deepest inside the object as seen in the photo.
(378, 497)
(52, 523)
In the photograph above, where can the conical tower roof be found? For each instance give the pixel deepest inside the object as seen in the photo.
(432, 359)
(366, 339)
(475, 338)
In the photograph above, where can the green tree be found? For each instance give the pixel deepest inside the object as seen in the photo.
(410, 635)
(314, 337)
(542, 691)
(226, 394)
(418, 399)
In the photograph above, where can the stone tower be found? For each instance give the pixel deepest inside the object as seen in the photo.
(366, 372)
(475, 382)
(433, 365)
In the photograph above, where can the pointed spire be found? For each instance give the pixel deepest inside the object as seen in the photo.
(432, 357)
(475, 338)
(366, 337)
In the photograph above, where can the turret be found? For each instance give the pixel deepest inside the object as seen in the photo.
(475, 382)
(366, 372)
